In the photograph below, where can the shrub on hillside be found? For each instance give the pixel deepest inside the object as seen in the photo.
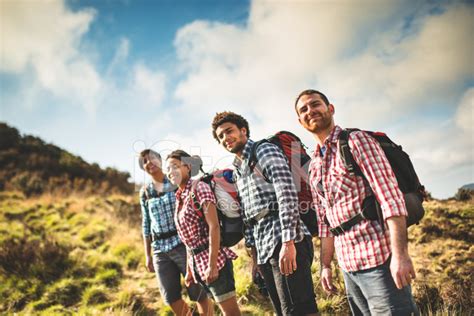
(109, 277)
(66, 292)
(95, 295)
(35, 167)
(43, 259)
(464, 194)
(131, 301)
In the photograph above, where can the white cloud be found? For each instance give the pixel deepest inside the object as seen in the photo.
(42, 41)
(377, 65)
(120, 56)
(149, 85)
(465, 113)
(380, 62)
(46, 37)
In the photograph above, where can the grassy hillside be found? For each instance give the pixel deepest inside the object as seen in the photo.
(84, 256)
(30, 165)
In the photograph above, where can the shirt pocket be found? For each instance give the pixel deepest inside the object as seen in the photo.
(340, 182)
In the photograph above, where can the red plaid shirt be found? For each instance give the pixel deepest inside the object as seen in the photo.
(193, 230)
(338, 196)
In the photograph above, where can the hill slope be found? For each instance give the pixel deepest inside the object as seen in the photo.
(84, 256)
(30, 165)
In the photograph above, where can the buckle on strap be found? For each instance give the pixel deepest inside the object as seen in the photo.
(347, 225)
(199, 249)
(163, 236)
(336, 231)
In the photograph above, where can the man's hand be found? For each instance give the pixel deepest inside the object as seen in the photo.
(401, 266)
(326, 280)
(149, 264)
(288, 258)
(255, 266)
(255, 269)
(402, 270)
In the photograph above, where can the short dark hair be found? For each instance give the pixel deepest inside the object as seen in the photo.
(194, 161)
(229, 117)
(147, 152)
(310, 92)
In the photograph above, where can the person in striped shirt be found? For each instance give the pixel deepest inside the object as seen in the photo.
(376, 265)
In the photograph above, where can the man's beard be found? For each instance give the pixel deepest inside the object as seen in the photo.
(325, 123)
(238, 148)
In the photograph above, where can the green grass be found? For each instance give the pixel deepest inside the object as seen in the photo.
(95, 295)
(85, 256)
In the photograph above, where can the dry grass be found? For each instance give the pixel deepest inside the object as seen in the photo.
(84, 247)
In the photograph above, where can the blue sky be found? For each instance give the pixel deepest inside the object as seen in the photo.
(106, 79)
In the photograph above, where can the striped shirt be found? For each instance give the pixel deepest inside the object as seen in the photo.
(338, 196)
(158, 215)
(278, 199)
(193, 230)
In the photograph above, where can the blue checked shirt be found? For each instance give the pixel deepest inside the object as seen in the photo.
(270, 208)
(158, 216)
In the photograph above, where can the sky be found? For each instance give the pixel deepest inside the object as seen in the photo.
(107, 79)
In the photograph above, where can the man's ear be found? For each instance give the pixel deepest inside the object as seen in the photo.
(244, 130)
(331, 108)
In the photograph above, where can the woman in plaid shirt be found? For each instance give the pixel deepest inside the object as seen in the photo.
(168, 259)
(209, 264)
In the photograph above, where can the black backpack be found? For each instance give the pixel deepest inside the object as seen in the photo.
(408, 182)
(298, 159)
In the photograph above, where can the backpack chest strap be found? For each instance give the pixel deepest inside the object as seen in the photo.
(347, 225)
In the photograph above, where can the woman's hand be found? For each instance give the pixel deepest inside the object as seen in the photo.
(212, 221)
(188, 279)
(212, 273)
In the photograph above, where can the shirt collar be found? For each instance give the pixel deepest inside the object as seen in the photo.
(245, 153)
(165, 184)
(330, 140)
(180, 191)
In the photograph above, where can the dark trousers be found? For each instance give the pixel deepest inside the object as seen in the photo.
(292, 294)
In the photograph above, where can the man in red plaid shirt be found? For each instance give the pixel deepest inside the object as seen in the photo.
(376, 265)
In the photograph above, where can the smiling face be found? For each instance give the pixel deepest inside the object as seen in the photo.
(177, 172)
(314, 114)
(231, 137)
(152, 164)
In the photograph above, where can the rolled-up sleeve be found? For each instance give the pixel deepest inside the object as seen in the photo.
(275, 166)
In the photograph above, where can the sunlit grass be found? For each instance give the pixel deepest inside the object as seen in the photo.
(84, 255)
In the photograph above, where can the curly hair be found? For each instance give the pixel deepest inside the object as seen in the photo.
(229, 117)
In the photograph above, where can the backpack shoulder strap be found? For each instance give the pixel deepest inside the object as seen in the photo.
(346, 154)
(197, 207)
(253, 159)
(146, 193)
(354, 168)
